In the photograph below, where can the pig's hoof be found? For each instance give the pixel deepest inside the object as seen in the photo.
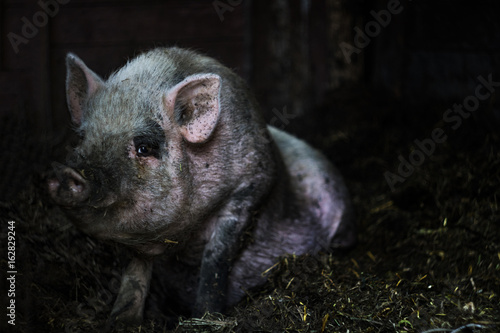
(125, 313)
(117, 323)
(201, 309)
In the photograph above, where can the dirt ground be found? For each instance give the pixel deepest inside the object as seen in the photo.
(427, 260)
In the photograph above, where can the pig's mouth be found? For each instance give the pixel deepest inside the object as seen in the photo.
(142, 245)
(102, 213)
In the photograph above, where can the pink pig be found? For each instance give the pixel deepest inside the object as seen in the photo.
(176, 160)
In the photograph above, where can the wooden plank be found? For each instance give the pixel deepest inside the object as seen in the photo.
(17, 55)
(2, 34)
(10, 92)
(105, 34)
(139, 23)
(31, 57)
(105, 3)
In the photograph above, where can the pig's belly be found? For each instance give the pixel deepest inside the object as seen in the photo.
(323, 220)
(320, 187)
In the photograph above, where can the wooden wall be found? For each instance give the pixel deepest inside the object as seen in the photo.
(34, 121)
(104, 34)
(292, 52)
(436, 49)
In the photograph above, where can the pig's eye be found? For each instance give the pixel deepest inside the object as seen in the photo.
(145, 147)
(144, 150)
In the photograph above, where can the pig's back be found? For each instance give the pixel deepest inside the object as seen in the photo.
(318, 184)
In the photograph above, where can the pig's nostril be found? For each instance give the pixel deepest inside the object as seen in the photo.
(69, 187)
(76, 186)
(53, 184)
(75, 183)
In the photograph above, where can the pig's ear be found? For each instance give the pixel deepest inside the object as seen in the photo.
(81, 83)
(195, 105)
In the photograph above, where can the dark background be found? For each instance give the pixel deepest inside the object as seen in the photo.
(428, 252)
(289, 51)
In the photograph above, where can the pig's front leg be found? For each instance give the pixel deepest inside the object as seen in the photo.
(217, 258)
(129, 304)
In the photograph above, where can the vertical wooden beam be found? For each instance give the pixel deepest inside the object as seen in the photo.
(345, 68)
(2, 34)
(41, 73)
(281, 72)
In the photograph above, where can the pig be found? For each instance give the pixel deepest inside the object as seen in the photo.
(175, 160)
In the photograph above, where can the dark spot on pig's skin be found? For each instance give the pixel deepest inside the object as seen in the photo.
(237, 211)
(327, 180)
(300, 177)
(207, 165)
(244, 193)
(209, 253)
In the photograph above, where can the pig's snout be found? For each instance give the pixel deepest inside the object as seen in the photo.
(68, 187)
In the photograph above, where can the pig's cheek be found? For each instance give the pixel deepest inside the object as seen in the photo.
(132, 154)
(151, 162)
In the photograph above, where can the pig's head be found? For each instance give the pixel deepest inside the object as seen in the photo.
(128, 178)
